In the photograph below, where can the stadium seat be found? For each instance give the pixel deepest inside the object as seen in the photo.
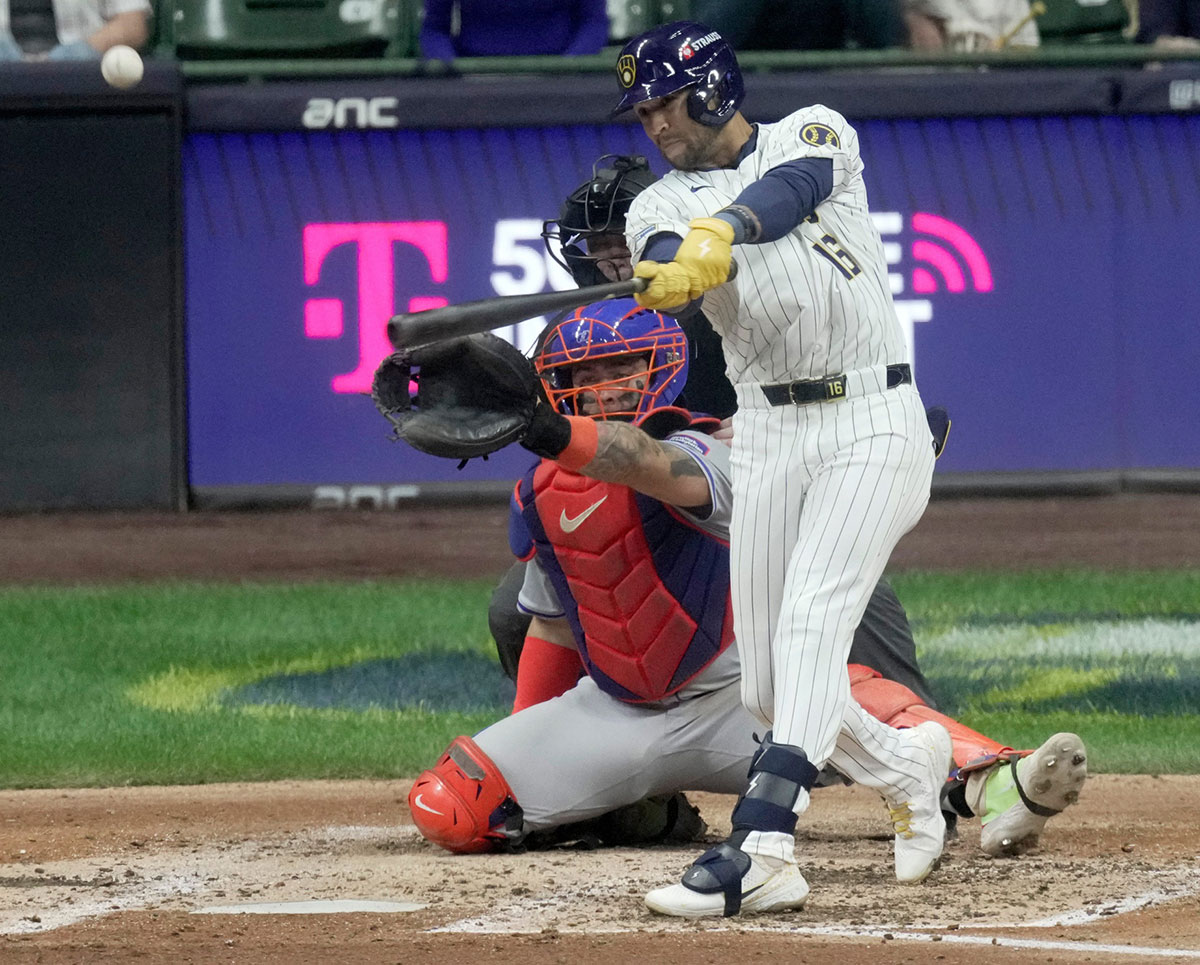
(406, 41)
(1083, 21)
(203, 29)
(628, 18)
(669, 10)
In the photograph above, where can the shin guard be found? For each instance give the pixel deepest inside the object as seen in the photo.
(897, 706)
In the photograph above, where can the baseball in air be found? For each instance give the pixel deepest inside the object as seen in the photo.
(121, 66)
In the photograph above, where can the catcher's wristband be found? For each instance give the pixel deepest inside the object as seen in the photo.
(569, 440)
(585, 440)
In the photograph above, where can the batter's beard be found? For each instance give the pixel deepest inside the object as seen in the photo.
(698, 156)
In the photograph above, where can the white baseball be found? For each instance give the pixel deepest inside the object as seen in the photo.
(121, 66)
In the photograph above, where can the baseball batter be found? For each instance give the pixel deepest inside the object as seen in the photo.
(588, 239)
(832, 458)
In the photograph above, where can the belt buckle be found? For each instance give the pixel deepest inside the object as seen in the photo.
(834, 386)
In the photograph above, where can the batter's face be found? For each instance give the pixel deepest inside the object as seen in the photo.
(686, 144)
(617, 384)
(612, 256)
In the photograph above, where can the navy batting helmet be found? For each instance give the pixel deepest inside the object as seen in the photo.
(678, 55)
(611, 329)
(596, 207)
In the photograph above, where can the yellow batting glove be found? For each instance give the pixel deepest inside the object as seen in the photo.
(706, 253)
(669, 285)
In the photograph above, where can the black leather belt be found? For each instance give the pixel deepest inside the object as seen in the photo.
(826, 390)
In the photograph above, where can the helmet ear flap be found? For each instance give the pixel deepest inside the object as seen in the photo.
(701, 100)
(697, 105)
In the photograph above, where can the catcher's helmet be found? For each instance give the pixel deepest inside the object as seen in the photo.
(596, 207)
(678, 55)
(610, 329)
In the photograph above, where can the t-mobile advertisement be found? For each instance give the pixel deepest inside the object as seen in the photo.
(1044, 271)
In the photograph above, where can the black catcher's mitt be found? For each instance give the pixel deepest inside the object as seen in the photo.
(474, 395)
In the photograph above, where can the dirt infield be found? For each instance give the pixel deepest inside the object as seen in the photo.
(1160, 531)
(118, 875)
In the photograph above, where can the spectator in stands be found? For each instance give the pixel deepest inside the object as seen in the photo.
(1169, 23)
(70, 29)
(804, 24)
(498, 28)
(969, 25)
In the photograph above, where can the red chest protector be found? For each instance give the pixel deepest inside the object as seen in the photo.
(645, 591)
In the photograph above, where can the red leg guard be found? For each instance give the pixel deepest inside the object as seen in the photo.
(464, 803)
(898, 706)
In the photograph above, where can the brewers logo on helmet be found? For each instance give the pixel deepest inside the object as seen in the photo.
(626, 71)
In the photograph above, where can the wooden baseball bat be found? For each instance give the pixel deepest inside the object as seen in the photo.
(413, 330)
(416, 329)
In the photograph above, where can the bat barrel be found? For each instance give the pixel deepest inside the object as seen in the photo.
(417, 329)
(413, 330)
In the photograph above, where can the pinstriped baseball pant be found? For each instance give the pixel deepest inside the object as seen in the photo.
(821, 495)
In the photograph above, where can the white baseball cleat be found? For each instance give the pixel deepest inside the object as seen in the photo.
(920, 827)
(1016, 798)
(727, 881)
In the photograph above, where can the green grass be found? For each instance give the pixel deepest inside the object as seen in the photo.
(1113, 656)
(86, 680)
(938, 600)
(148, 685)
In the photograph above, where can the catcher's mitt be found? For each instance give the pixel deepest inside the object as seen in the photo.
(473, 395)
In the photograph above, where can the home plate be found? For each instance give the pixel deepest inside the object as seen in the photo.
(333, 907)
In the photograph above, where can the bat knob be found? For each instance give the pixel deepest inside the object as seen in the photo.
(394, 333)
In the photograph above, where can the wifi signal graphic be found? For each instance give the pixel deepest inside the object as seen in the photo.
(947, 256)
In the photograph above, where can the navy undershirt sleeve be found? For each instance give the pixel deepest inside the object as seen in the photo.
(662, 246)
(778, 201)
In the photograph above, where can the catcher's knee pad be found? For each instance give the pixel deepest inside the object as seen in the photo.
(896, 705)
(463, 803)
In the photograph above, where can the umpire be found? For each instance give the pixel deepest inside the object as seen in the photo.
(588, 239)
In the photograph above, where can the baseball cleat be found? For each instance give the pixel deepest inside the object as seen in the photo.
(920, 826)
(727, 881)
(1019, 796)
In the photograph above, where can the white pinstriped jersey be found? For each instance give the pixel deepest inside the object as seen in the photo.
(817, 301)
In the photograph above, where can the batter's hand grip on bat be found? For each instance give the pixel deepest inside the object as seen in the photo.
(416, 329)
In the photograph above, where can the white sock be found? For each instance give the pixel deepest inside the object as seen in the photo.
(775, 847)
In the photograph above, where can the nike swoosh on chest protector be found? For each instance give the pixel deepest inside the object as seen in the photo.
(571, 523)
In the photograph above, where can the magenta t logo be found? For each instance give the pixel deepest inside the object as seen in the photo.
(323, 317)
